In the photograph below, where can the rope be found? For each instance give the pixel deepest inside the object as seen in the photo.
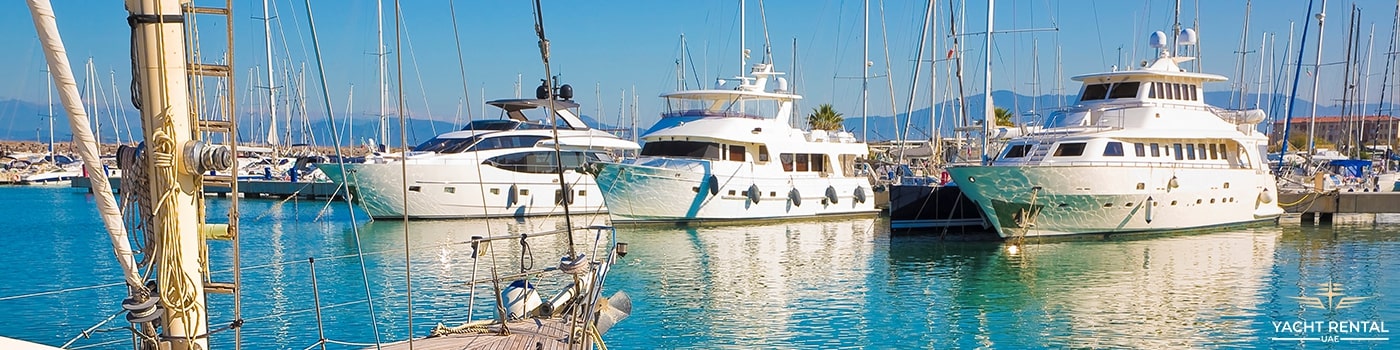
(91, 330)
(1300, 200)
(60, 291)
(359, 248)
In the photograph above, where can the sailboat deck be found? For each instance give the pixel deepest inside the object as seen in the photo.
(524, 334)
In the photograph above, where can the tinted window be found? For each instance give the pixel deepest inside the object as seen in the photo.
(1070, 150)
(1177, 148)
(498, 124)
(491, 143)
(1140, 149)
(1156, 152)
(449, 145)
(540, 162)
(1190, 151)
(1124, 90)
(1113, 149)
(1016, 151)
(683, 149)
(1094, 92)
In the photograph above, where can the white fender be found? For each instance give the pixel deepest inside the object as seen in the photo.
(1148, 214)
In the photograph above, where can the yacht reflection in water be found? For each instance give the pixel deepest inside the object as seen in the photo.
(1149, 292)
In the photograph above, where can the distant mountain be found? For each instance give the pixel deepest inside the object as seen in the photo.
(882, 127)
(22, 120)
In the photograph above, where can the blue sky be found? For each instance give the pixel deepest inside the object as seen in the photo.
(622, 44)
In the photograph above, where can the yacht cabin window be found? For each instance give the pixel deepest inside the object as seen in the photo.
(1156, 151)
(1173, 91)
(682, 149)
(1073, 149)
(1124, 90)
(1016, 151)
(1094, 92)
(1113, 149)
(736, 153)
(803, 162)
(762, 153)
(1190, 152)
(1177, 148)
(1140, 149)
(541, 162)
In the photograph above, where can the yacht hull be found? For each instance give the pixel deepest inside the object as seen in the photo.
(448, 191)
(679, 190)
(1068, 200)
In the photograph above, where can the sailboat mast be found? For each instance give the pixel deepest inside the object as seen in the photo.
(383, 72)
(49, 92)
(1317, 63)
(865, 75)
(743, 48)
(989, 111)
(271, 84)
(166, 123)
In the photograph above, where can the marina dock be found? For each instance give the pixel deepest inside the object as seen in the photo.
(1322, 206)
(252, 189)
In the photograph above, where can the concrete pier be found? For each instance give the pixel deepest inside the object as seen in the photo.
(1325, 205)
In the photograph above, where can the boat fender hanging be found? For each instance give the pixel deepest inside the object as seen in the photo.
(1266, 197)
(520, 299)
(795, 197)
(1147, 215)
(831, 194)
(1173, 183)
(714, 185)
(860, 194)
(754, 194)
(513, 197)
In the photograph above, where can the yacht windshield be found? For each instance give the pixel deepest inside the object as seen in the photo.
(478, 143)
(739, 106)
(682, 149)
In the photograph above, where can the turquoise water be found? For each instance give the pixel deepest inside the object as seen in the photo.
(809, 284)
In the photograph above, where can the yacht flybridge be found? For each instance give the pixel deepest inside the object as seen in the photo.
(1140, 152)
(729, 154)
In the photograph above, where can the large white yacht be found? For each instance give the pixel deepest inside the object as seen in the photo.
(490, 168)
(728, 154)
(1139, 152)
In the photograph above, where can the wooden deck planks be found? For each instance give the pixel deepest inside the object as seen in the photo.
(524, 334)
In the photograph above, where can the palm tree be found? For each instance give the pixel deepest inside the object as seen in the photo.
(825, 117)
(1003, 117)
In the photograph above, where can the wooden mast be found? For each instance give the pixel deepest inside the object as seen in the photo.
(159, 40)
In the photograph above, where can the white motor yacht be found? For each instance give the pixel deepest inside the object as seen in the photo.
(490, 168)
(729, 154)
(1140, 152)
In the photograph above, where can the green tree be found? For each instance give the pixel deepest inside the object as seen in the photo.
(1003, 117)
(825, 117)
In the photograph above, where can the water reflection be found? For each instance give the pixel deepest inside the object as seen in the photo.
(758, 286)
